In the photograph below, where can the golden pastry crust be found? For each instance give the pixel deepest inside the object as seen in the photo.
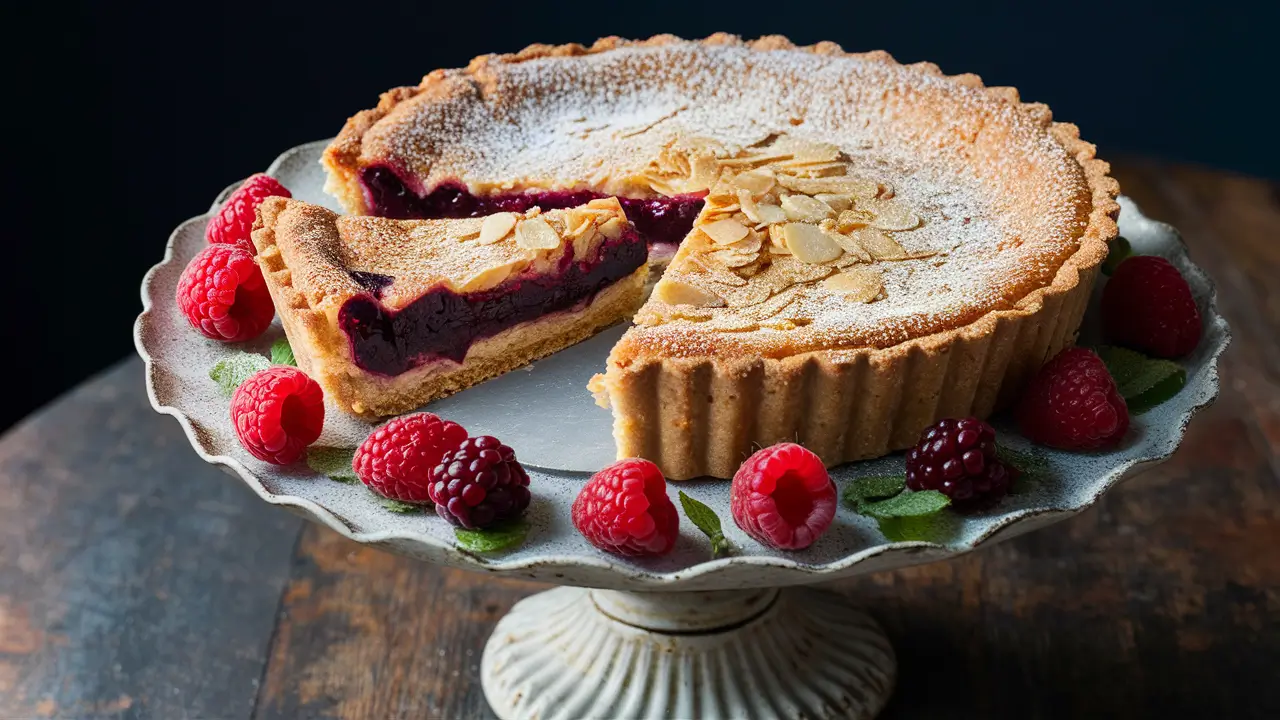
(1016, 213)
(307, 254)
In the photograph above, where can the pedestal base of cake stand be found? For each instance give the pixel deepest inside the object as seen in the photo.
(775, 653)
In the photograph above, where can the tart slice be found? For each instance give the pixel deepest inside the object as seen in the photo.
(390, 314)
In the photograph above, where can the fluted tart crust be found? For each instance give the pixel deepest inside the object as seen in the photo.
(881, 245)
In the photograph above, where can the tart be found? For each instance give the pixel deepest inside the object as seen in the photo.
(390, 314)
(865, 247)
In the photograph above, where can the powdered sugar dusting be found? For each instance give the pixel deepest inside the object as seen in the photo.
(1002, 201)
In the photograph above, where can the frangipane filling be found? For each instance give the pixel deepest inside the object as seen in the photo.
(443, 323)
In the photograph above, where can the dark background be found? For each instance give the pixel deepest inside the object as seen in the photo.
(129, 118)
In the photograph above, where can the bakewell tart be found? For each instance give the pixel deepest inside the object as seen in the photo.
(866, 246)
(390, 314)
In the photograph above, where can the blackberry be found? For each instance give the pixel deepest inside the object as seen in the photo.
(958, 459)
(479, 483)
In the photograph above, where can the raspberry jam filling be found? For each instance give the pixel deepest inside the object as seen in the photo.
(444, 324)
(660, 220)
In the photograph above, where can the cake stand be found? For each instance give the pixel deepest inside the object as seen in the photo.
(684, 635)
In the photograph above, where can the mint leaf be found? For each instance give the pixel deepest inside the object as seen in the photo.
(396, 506)
(1029, 464)
(282, 353)
(503, 536)
(1143, 382)
(333, 462)
(1120, 250)
(905, 529)
(232, 370)
(907, 504)
(875, 487)
(706, 520)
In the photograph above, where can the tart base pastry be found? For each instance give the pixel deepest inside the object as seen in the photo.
(875, 246)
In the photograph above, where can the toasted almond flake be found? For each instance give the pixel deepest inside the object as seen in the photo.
(760, 159)
(613, 227)
(536, 234)
(496, 226)
(859, 284)
(805, 209)
(892, 215)
(756, 182)
(849, 245)
(879, 244)
(676, 292)
(747, 294)
(809, 244)
(850, 220)
(748, 205)
(493, 276)
(835, 201)
(816, 170)
(585, 244)
(732, 259)
(716, 271)
(771, 214)
(703, 171)
(806, 150)
(857, 187)
(725, 231)
(777, 242)
(749, 244)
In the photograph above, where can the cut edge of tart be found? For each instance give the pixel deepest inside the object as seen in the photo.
(1014, 210)
(388, 315)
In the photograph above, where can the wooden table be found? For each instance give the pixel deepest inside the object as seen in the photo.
(136, 581)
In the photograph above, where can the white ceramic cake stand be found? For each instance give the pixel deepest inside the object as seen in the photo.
(680, 636)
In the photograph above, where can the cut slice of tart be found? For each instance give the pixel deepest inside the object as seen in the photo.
(388, 315)
(873, 246)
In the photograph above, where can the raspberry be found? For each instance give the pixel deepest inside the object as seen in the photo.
(223, 295)
(624, 509)
(1072, 403)
(235, 218)
(396, 460)
(1147, 305)
(783, 497)
(277, 413)
(479, 483)
(958, 459)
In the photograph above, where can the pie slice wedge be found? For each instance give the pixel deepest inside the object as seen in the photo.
(388, 315)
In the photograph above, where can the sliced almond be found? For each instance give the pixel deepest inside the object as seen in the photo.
(892, 215)
(756, 182)
(805, 209)
(849, 245)
(732, 259)
(613, 227)
(749, 244)
(806, 150)
(725, 231)
(777, 241)
(496, 227)
(857, 187)
(835, 201)
(770, 214)
(676, 292)
(859, 284)
(809, 244)
(747, 294)
(493, 276)
(704, 171)
(879, 244)
(748, 205)
(716, 271)
(536, 234)
(850, 220)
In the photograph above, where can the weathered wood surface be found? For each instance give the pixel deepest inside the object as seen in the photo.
(136, 581)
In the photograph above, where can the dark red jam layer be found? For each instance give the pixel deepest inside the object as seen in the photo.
(444, 324)
(659, 220)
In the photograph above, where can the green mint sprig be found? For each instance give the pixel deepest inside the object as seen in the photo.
(503, 536)
(906, 504)
(282, 353)
(864, 490)
(1143, 382)
(706, 520)
(234, 369)
(335, 463)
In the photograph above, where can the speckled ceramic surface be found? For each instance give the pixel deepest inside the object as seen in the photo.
(178, 361)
